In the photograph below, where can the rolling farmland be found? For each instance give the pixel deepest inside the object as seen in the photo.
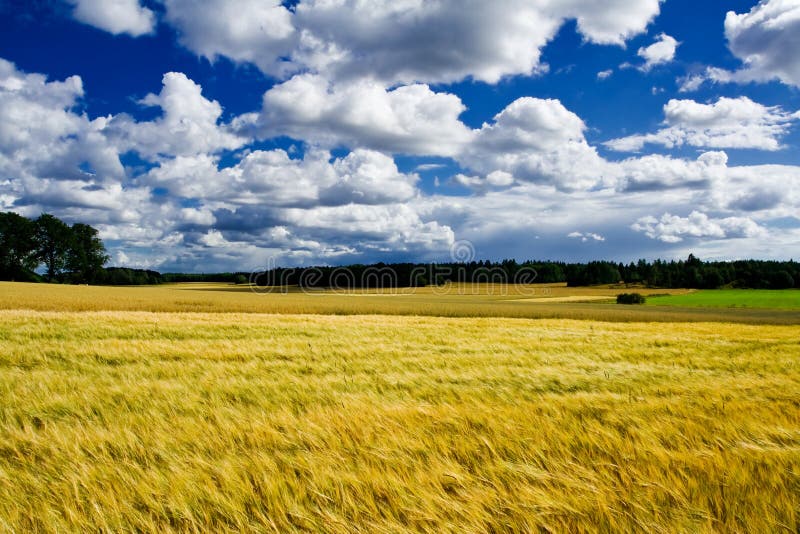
(229, 421)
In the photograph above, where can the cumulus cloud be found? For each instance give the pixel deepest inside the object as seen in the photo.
(189, 124)
(673, 229)
(253, 31)
(609, 21)
(656, 172)
(399, 42)
(768, 191)
(40, 132)
(410, 119)
(197, 216)
(44, 142)
(727, 123)
(661, 52)
(604, 74)
(272, 178)
(394, 227)
(765, 40)
(534, 177)
(368, 177)
(536, 140)
(480, 184)
(292, 210)
(403, 42)
(115, 16)
(316, 205)
(188, 210)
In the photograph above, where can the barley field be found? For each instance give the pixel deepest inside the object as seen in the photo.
(185, 421)
(468, 300)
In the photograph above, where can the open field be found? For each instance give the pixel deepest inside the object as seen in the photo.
(229, 422)
(536, 301)
(207, 407)
(733, 298)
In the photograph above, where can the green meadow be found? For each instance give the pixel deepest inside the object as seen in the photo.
(732, 298)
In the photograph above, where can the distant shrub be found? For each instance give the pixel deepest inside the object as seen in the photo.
(630, 298)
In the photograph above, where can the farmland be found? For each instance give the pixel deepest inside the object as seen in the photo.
(196, 408)
(733, 298)
(482, 300)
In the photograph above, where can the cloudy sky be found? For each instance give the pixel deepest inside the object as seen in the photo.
(220, 134)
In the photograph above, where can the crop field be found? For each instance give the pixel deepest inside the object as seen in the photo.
(733, 298)
(480, 300)
(211, 408)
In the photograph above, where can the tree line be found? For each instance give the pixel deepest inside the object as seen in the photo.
(689, 273)
(48, 249)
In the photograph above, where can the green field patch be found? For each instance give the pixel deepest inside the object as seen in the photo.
(732, 298)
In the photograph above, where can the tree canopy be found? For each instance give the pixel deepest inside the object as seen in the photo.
(68, 253)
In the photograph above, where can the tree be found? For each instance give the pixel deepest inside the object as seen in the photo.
(782, 280)
(17, 247)
(52, 240)
(86, 254)
(712, 278)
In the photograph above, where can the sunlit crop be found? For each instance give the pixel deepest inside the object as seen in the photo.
(142, 421)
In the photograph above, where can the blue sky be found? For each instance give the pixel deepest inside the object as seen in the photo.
(219, 135)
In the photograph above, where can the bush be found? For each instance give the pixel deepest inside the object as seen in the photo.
(630, 298)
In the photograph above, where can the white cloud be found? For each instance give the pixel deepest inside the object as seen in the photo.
(533, 175)
(413, 40)
(539, 141)
(610, 21)
(493, 180)
(766, 40)
(423, 167)
(367, 177)
(197, 216)
(605, 74)
(661, 52)
(395, 227)
(398, 42)
(673, 229)
(586, 236)
(727, 123)
(656, 172)
(62, 162)
(43, 141)
(213, 238)
(272, 178)
(410, 119)
(770, 191)
(189, 124)
(254, 31)
(115, 16)
(690, 83)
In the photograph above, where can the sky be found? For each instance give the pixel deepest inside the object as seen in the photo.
(213, 135)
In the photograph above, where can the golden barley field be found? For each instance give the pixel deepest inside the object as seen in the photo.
(478, 300)
(184, 421)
